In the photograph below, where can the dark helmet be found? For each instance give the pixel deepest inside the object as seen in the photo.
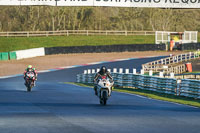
(103, 69)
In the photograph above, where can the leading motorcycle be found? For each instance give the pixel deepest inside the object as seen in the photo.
(29, 80)
(104, 89)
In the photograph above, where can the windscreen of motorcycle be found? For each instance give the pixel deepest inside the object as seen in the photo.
(30, 74)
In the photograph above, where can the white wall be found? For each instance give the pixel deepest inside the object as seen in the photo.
(29, 53)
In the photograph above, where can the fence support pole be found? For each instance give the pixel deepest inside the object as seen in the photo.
(171, 75)
(121, 70)
(161, 74)
(142, 71)
(134, 71)
(114, 70)
(85, 71)
(150, 73)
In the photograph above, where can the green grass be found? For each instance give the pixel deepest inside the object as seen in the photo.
(19, 43)
(153, 95)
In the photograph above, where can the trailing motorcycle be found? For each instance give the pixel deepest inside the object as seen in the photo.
(29, 80)
(104, 89)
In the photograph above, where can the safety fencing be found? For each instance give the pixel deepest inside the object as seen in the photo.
(72, 32)
(22, 54)
(184, 87)
(8, 56)
(167, 65)
(190, 88)
(186, 76)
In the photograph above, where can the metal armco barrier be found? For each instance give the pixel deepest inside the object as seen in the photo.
(184, 87)
(190, 88)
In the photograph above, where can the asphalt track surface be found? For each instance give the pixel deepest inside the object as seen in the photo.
(55, 107)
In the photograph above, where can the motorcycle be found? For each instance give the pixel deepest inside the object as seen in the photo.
(30, 78)
(104, 88)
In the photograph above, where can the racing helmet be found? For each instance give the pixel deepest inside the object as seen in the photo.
(103, 69)
(30, 67)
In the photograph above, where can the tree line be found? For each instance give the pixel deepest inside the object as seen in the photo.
(47, 18)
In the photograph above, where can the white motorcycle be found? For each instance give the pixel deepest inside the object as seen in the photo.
(104, 90)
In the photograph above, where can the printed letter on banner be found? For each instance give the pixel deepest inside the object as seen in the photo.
(115, 3)
(75, 3)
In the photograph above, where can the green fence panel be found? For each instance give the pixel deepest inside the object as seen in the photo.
(0, 57)
(4, 56)
(12, 56)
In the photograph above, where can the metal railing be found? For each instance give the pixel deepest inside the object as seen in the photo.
(184, 87)
(185, 76)
(163, 85)
(73, 32)
(190, 88)
(168, 65)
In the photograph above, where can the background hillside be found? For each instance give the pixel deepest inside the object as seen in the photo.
(42, 18)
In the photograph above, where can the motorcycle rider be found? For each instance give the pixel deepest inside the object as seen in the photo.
(30, 69)
(102, 73)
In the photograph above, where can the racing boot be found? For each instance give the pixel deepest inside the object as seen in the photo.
(34, 83)
(95, 89)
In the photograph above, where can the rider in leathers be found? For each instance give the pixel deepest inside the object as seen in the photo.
(30, 69)
(103, 72)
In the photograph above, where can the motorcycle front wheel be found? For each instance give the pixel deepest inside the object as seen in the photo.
(29, 86)
(104, 98)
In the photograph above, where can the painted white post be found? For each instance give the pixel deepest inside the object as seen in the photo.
(142, 71)
(178, 87)
(85, 71)
(190, 55)
(134, 71)
(114, 70)
(121, 70)
(109, 70)
(93, 70)
(89, 71)
(161, 74)
(127, 71)
(98, 69)
(171, 75)
(150, 73)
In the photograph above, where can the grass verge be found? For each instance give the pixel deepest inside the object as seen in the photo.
(153, 95)
(20, 43)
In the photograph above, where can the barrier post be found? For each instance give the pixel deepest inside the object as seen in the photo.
(98, 70)
(171, 75)
(160, 74)
(93, 71)
(127, 71)
(114, 70)
(121, 70)
(150, 73)
(142, 71)
(89, 71)
(178, 87)
(134, 71)
(85, 71)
